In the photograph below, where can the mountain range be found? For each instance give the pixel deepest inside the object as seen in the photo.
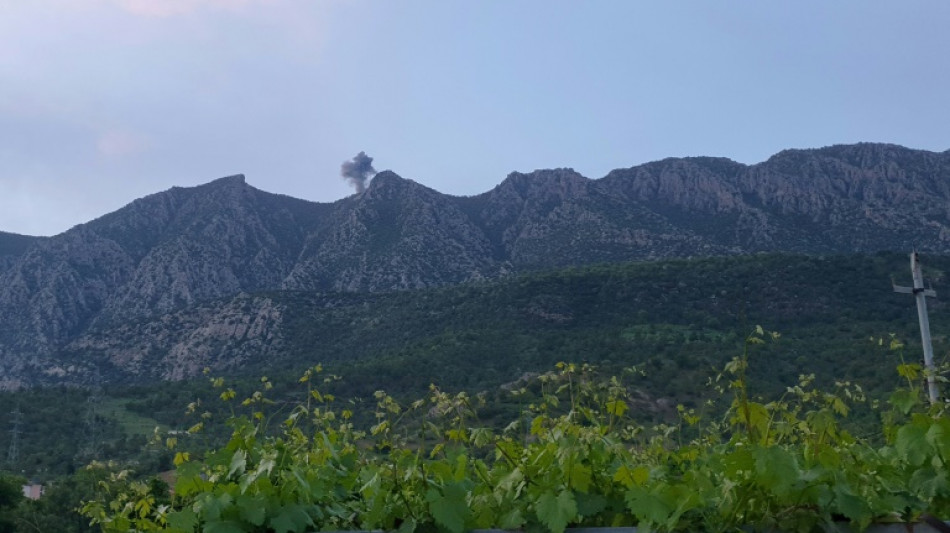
(185, 278)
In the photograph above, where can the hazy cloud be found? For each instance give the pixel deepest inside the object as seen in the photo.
(170, 8)
(120, 142)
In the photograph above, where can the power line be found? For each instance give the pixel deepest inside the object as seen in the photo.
(13, 452)
(91, 447)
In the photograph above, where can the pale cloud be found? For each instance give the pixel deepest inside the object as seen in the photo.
(118, 143)
(170, 8)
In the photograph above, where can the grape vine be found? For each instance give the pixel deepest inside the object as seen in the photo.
(577, 458)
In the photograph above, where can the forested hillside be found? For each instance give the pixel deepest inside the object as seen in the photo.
(677, 321)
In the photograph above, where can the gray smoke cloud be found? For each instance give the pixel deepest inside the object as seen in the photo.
(358, 171)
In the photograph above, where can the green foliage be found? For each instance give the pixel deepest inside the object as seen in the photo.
(55, 426)
(57, 510)
(11, 494)
(676, 320)
(576, 457)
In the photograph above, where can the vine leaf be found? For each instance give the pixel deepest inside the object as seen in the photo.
(938, 436)
(590, 504)
(904, 400)
(631, 477)
(253, 508)
(851, 505)
(776, 469)
(580, 477)
(911, 444)
(184, 520)
(291, 519)
(189, 479)
(449, 507)
(617, 407)
(211, 506)
(556, 511)
(513, 519)
(931, 482)
(238, 463)
(648, 507)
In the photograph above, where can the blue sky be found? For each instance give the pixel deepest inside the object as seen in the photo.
(104, 101)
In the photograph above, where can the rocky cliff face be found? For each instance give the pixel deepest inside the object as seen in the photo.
(559, 218)
(159, 288)
(221, 334)
(396, 235)
(856, 198)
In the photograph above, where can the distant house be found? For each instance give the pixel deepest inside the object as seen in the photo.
(33, 491)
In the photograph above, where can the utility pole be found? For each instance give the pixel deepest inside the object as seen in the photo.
(13, 453)
(921, 294)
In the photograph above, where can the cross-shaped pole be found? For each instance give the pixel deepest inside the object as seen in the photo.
(920, 294)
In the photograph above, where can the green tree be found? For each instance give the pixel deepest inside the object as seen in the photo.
(57, 510)
(11, 495)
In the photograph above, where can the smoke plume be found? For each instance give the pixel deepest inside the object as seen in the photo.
(358, 171)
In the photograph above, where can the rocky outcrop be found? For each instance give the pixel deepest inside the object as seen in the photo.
(131, 289)
(854, 198)
(220, 335)
(220, 239)
(557, 217)
(396, 235)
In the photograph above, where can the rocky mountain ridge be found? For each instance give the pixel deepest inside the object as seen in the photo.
(172, 252)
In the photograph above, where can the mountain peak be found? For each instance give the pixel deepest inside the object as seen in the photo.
(860, 153)
(386, 177)
(387, 183)
(228, 181)
(564, 181)
(225, 182)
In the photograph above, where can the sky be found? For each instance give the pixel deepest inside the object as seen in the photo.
(106, 101)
